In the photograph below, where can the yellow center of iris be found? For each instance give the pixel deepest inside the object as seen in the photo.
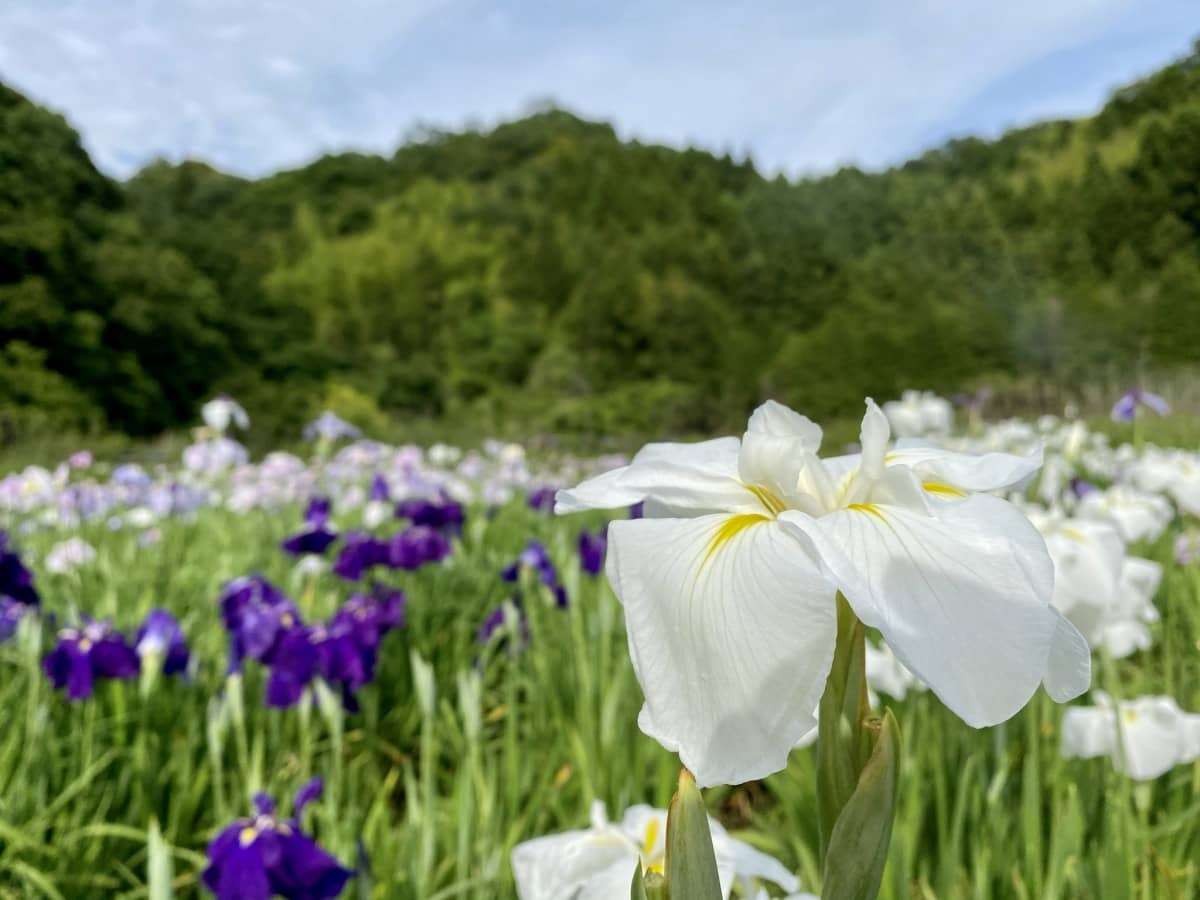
(247, 836)
(729, 529)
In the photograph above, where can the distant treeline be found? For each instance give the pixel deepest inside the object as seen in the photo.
(547, 276)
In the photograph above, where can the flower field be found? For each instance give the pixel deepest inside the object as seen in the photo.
(413, 645)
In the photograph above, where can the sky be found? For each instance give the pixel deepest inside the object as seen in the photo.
(801, 87)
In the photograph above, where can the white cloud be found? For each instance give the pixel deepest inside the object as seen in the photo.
(252, 86)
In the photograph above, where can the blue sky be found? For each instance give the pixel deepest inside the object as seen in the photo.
(257, 85)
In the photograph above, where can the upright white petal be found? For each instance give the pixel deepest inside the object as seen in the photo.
(778, 445)
(874, 435)
(961, 598)
(731, 629)
(779, 421)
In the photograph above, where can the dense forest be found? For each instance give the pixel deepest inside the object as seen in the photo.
(545, 275)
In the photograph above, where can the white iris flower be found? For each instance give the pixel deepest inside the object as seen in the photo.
(729, 583)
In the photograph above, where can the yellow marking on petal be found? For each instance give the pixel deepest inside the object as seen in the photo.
(767, 498)
(731, 528)
(1129, 715)
(940, 487)
(1074, 534)
(869, 508)
(656, 867)
(247, 836)
(651, 838)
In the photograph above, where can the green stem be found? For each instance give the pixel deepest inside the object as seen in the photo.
(858, 768)
(843, 740)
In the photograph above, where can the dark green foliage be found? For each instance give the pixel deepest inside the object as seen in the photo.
(547, 275)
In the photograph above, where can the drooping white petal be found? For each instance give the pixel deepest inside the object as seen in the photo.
(688, 479)
(962, 598)
(966, 471)
(1069, 665)
(731, 629)
(874, 436)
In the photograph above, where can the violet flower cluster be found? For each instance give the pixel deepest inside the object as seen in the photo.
(96, 651)
(425, 540)
(264, 625)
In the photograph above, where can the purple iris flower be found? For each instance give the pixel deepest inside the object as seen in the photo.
(348, 646)
(360, 552)
(11, 613)
(638, 510)
(535, 557)
(542, 499)
(261, 857)
(343, 651)
(1125, 409)
(161, 637)
(416, 546)
(373, 615)
(85, 654)
(380, 492)
(293, 664)
(444, 514)
(592, 548)
(16, 581)
(316, 536)
(257, 616)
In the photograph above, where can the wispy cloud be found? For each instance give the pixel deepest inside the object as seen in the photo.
(254, 86)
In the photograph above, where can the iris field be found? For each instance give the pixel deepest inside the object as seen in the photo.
(504, 704)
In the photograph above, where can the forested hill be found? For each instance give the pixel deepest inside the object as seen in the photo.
(547, 275)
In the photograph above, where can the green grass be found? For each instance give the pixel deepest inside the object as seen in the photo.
(438, 783)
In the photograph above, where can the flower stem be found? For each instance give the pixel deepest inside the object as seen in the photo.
(843, 741)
